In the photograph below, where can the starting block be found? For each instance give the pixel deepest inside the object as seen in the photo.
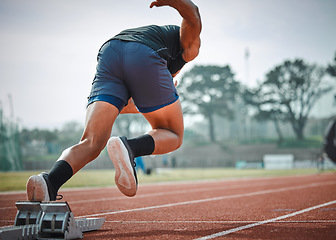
(48, 220)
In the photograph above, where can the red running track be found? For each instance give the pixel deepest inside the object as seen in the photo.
(296, 207)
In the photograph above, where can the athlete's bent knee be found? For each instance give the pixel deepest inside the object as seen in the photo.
(93, 146)
(180, 141)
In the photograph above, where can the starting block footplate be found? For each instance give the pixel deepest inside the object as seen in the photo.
(48, 220)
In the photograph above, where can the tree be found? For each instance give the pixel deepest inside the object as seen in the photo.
(37, 134)
(209, 91)
(255, 99)
(290, 91)
(130, 124)
(70, 134)
(10, 151)
(331, 70)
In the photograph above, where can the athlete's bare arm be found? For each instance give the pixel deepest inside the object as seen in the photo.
(190, 28)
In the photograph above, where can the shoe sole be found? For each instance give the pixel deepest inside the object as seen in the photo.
(124, 175)
(37, 189)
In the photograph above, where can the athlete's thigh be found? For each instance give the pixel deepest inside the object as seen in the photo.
(100, 117)
(169, 117)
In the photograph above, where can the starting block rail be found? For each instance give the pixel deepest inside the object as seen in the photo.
(25, 232)
(48, 220)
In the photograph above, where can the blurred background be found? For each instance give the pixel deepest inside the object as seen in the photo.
(263, 86)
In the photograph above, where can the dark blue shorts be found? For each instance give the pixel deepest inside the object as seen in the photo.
(131, 69)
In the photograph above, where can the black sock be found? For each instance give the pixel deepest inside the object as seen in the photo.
(58, 175)
(142, 146)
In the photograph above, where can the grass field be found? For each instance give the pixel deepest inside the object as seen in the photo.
(13, 181)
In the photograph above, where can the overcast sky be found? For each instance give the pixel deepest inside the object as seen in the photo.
(49, 48)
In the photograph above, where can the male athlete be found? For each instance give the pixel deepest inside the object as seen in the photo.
(135, 73)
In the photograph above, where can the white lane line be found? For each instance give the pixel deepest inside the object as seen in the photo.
(183, 191)
(196, 222)
(6, 208)
(220, 234)
(156, 194)
(160, 194)
(212, 199)
(237, 180)
(214, 222)
(6, 196)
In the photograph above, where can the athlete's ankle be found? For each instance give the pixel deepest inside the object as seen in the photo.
(142, 146)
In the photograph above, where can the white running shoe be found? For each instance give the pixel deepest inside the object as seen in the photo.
(123, 161)
(37, 189)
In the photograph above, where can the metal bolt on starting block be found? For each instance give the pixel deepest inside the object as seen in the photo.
(48, 220)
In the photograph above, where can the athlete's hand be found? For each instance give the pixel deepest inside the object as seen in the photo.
(160, 3)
